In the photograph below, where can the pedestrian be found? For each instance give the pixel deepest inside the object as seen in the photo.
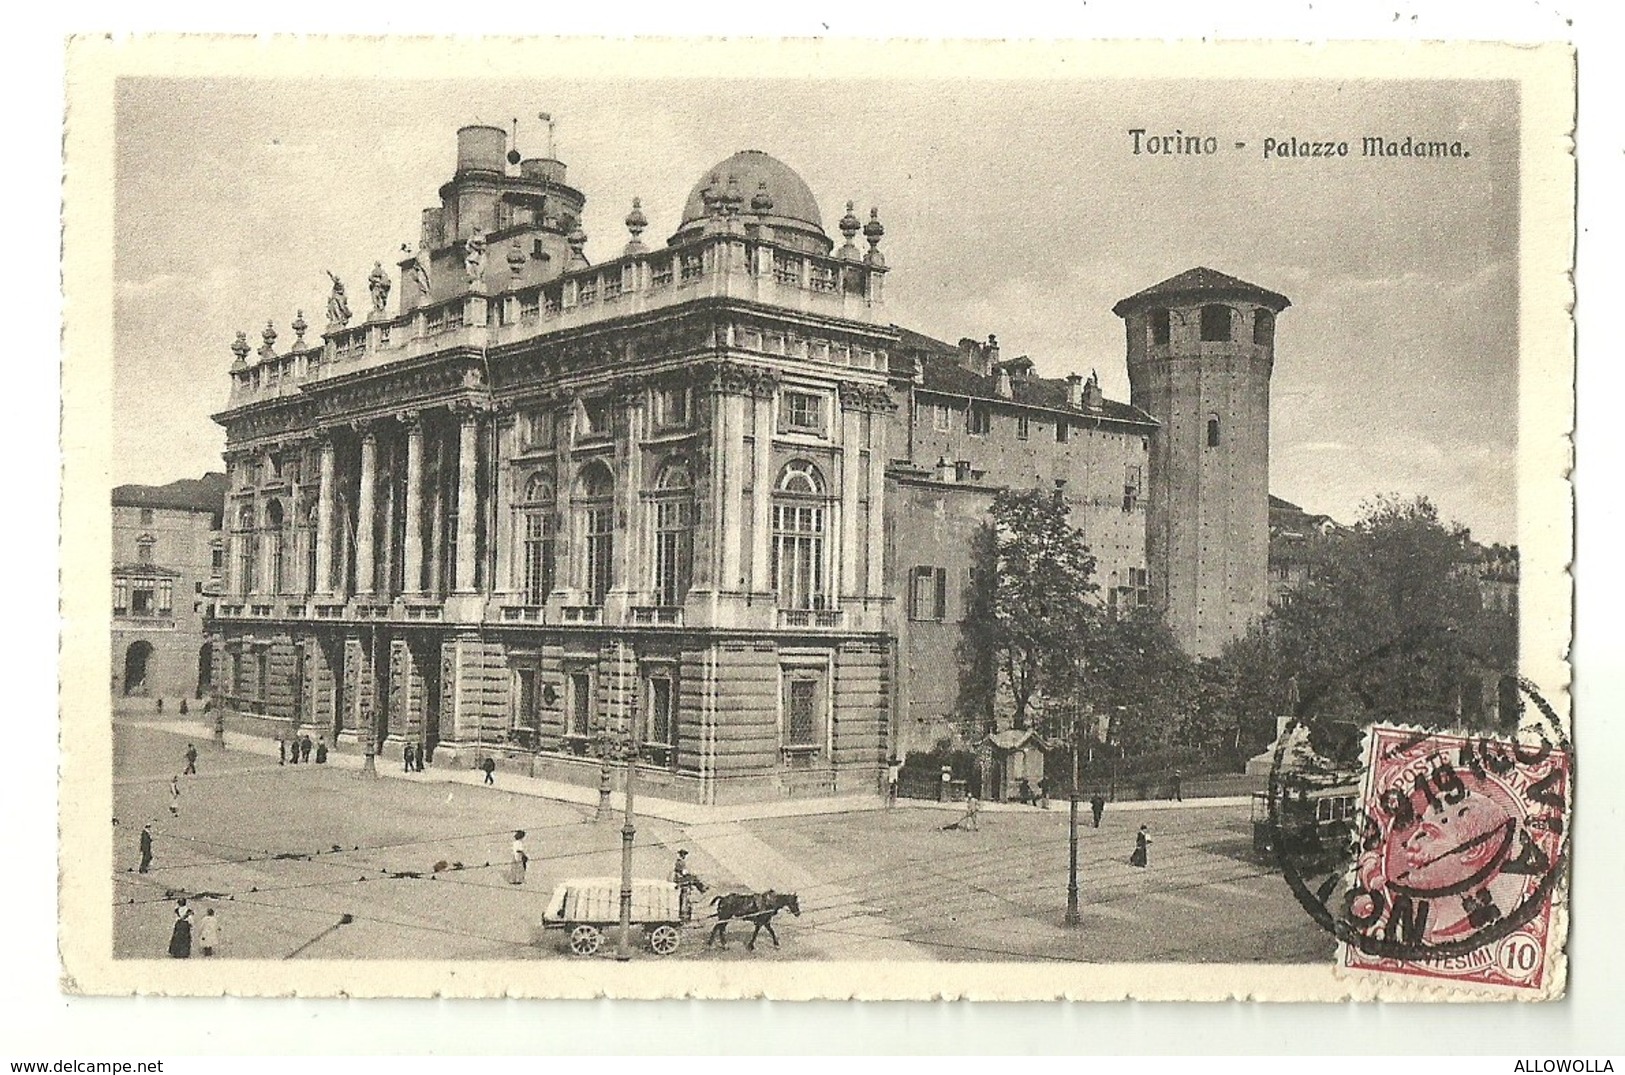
(894, 773)
(305, 745)
(293, 749)
(1097, 806)
(490, 767)
(174, 796)
(208, 933)
(1026, 791)
(406, 758)
(1142, 848)
(146, 848)
(183, 707)
(191, 761)
(180, 938)
(516, 868)
(1043, 793)
(160, 705)
(321, 751)
(417, 757)
(1178, 786)
(281, 750)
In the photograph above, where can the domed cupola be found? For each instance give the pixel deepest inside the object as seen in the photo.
(779, 199)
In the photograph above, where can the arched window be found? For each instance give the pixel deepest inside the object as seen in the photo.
(535, 526)
(674, 533)
(1212, 431)
(245, 549)
(799, 514)
(1263, 327)
(594, 499)
(1216, 326)
(274, 522)
(1161, 327)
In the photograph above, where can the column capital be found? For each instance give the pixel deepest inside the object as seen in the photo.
(468, 410)
(864, 397)
(737, 378)
(412, 419)
(365, 428)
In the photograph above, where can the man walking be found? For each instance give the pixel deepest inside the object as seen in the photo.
(1097, 806)
(305, 745)
(191, 761)
(894, 772)
(406, 758)
(1179, 786)
(490, 767)
(146, 848)
(174, 796)
(281, 750)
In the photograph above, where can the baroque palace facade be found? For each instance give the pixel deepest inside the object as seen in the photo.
(705, 494)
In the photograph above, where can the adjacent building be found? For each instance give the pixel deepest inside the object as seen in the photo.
(703, 491)
(167, 559)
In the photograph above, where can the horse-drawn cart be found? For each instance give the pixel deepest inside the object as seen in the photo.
(588, 907)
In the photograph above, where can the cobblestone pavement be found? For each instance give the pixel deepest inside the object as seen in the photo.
(316, 862)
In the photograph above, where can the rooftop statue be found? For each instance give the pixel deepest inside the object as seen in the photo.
(338, 306)
(378, 283)
(474, 259)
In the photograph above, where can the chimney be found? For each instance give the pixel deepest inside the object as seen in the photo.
(992, 352)
(962, 470)
(1074, 390)
(1093, 397)
(971, 357)
(1001, 385)
(945, 470)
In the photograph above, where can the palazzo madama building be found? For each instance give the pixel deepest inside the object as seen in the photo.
(703, 493)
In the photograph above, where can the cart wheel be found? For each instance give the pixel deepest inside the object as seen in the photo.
(664, 939)
(584, 940)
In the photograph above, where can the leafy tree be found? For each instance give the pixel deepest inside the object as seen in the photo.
(1134, 669)
(1388, 625)
(1040, 607)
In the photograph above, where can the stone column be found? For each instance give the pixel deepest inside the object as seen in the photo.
(468, 498)
(365, 530)
(728, 450)
(879, 420)
(324, 520)
(632, 568)
(762, 497)
(846, 580)
(413, 555)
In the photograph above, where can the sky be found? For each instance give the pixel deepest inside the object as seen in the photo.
(1011, 207)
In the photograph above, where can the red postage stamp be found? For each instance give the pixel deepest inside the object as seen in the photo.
(1461, 849)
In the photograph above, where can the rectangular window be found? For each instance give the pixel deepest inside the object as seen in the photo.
(587, 292)
(217, 560)
(434, 324)
(539, 559)
(1131, 486)
(612, 285)
(1023, 427)
(383, 335)
(942, 417)
(803, 701)
(530, 306)
(578, 703)
(660, 273)
(166, 596)
(671, 408)
(660, 709)
(978, 421)
(674, 549)
(527, 715)
(550, 302)
(823, 277)
(798, 554)
(803, 413)
(141, 599)
(689, 266)
(121, 596)
(146, 516)
(600, 553)
(1061, 430)
(928, 593)
(143, 553)
(454, 315)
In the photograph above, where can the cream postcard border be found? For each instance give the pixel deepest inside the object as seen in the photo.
(1545, 74)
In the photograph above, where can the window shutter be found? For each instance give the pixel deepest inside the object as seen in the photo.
(942, 594)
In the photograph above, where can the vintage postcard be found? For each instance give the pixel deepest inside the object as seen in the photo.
(861, 519)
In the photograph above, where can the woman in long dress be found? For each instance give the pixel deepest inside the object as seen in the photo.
(516, 868)
(1142, 848)
(180, 938)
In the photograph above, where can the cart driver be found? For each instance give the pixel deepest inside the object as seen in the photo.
(684, 881)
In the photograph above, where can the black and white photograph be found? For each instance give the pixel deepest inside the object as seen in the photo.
(996, 522)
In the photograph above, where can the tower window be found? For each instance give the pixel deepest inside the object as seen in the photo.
(1161, 329)
(1263, 327)
(1216, 324)
(1213, 432)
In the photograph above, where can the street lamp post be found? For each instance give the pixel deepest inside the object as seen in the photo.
(1072, 835)
(628, 831)
(605, 811)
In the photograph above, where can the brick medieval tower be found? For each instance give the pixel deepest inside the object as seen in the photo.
(1201, 347)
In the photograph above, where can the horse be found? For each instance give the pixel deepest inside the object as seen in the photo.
(758, 908)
